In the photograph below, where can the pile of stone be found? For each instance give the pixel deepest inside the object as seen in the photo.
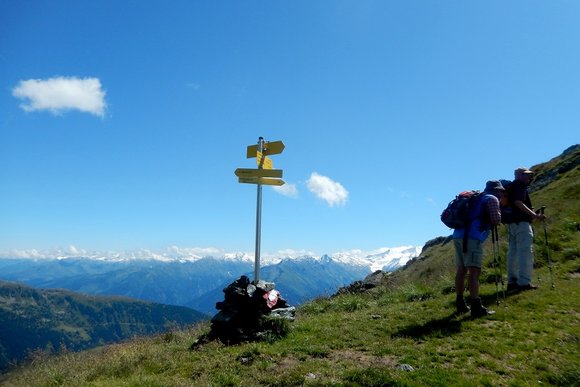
(248, 313)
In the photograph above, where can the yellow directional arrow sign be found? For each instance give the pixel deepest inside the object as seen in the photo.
(263, 175)
(263, 161)
(245, 172)
(261, 180)
(269, 148)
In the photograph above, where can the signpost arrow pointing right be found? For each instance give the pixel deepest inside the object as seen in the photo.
(269, 148)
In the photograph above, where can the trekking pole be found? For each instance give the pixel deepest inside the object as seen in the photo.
(495, 263)
(546, 247)
(500, 263)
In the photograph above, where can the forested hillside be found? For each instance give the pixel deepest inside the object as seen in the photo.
(58, 320)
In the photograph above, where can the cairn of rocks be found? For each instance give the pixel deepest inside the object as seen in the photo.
(248, 312)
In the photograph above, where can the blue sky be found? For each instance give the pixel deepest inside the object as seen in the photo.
(122, 122)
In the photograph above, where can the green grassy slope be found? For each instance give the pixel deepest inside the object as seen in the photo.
(401, 333)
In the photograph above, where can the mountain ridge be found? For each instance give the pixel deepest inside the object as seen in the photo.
(177, 255)
(182, 283)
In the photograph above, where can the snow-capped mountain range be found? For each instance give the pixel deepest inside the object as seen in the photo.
(185, 277)
(385, 258)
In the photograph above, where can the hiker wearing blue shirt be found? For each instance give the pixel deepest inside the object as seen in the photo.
(469, 252)
(520, 256)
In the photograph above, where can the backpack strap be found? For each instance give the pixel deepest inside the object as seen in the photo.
(468, 226)
(479, 202)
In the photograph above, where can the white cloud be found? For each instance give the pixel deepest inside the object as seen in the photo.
(72, 250)
(332, 192)
(289, 190)
(293, 253)
(60, 94)
(193, 251)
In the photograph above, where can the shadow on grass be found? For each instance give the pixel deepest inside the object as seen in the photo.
(451, 324)
(442, 327)
(499, 297)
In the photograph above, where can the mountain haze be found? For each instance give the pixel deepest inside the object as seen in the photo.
(198, 281)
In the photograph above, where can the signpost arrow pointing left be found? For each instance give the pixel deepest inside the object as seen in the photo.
(248, 172)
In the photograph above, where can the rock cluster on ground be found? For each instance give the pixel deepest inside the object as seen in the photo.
(249, 312)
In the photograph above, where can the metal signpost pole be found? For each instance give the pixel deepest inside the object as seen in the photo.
(265, 174)
(258, 220)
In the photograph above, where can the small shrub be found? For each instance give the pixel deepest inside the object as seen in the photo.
(285, 379)
(170, 336)
(385, 297)
(351, 304)
(571, 254)
(248, 357)
(318, 353)
(412, 293)
(447, 285)
(317, 306)
(572, 226)
(568, 377)
(274, 328)
(370, 377)
(489, 277)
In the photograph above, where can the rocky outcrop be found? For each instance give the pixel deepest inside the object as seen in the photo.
(371, 281)
(548, 172)
(441, 240)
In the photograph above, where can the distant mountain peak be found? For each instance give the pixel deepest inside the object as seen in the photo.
(375, 259)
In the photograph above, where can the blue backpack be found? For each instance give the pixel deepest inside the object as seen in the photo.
(456, 214)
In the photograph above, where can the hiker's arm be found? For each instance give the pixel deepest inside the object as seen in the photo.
(528, 211)
(494, 211)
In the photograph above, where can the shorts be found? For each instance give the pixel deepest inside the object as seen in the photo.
(472, 257)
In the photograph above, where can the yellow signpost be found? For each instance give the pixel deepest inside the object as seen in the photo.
(261, 180)
(248, 172)
(264, 175)
(268, 148)
(263, 161)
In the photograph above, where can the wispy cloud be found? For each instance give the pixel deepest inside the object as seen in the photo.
(332, 192)
(287, 189)
(193, 85)
(60, 94)
(169, 254)
(287, 253)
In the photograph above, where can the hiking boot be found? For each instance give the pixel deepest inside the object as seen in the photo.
(512, 287)
(461, 305)
(478, 310)
(527, 287)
